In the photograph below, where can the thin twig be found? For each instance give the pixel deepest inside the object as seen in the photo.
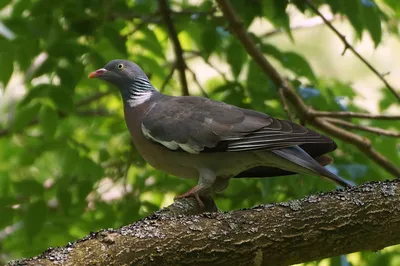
(376, 130)
(168, 78)
(154, 17)
(198, 83)
(198, 54)
(180, 62)
(98, 112)
(93, 98)
(306, 24)
(222, 74)
(349, 47)
(303, 110)
(355, 115)
(284, 103)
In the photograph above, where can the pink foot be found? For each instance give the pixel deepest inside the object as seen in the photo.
(192, 193)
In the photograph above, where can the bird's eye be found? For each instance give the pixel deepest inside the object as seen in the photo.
(120, 66)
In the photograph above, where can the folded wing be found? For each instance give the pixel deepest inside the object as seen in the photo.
(195, 124)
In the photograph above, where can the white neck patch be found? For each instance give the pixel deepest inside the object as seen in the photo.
(139, 97)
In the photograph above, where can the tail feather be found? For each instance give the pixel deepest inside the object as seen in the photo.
(299, 157)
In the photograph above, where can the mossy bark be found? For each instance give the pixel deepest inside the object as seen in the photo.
(366, 217)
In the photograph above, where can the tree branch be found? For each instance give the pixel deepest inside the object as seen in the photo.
(180, 62)
(376, 130)
(303, 110)
(93, 98)
(347, 46)
(194, 76)
(319, 226)
(168, 78)
(354, 115)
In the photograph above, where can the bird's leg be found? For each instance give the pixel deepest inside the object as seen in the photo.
(206, 180)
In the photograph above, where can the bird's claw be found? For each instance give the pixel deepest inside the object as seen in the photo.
(192, 193)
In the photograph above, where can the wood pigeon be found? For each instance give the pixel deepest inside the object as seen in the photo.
(199, 138)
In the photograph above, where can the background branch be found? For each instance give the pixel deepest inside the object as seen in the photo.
(376, 130)
(180, 62)
(354, 115)
(168, 78)
(319, 226)
(203, 91)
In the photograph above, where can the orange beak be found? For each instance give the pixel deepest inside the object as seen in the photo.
(98, 73)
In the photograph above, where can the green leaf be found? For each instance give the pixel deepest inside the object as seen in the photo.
(387, 100)
(290, 60)
(116, 39)
(4, 3)
(5, 183)
(301, 5)
(70, 76)
(7, 61)
(48, 119)
(64, 198)
(271, 50)
(46, 67)
(104, 155)
(84, 188)
(372, 21)
(24, 115)
(298, 65)
(26, 49)
(40, 91)
(62, 98)
(149, 64)
(259, 86)
(236, 57)
(7, 216)
(247, 12)
(88, 168)
(275, 12)
(351, 8)
(35, 218)
(151, 43)
(28, 187)
(209, 40)
(65, 48)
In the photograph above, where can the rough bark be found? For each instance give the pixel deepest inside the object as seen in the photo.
(366, 217)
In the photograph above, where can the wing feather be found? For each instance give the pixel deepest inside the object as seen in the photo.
(196, 124)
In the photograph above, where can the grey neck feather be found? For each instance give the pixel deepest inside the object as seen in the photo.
(139, 91)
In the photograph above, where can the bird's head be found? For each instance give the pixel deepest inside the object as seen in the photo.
(124, 74)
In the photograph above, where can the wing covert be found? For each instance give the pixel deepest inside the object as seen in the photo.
(196, 124)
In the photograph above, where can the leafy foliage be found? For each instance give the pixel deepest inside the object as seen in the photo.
(67, 165)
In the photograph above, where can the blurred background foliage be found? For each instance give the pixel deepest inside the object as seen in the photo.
(67, 165)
